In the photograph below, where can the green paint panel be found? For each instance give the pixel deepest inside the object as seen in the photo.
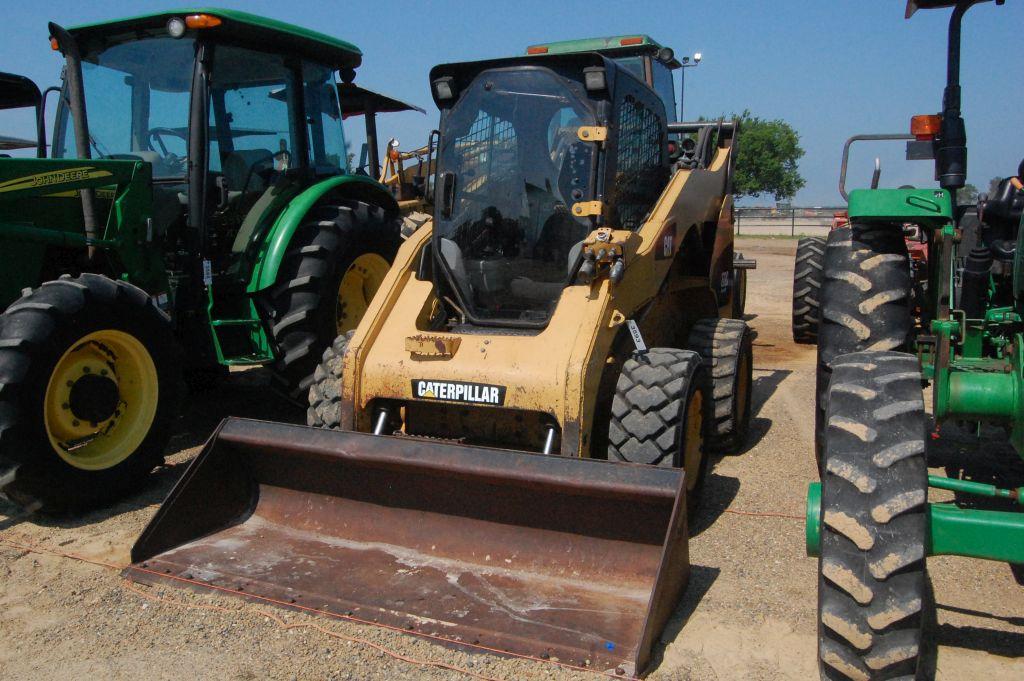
(973, 533)
(992, 396)
(40, 205)
(990, 535)
(905, 205)
(812, 526)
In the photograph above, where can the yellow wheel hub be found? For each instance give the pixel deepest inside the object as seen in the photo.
(357, 288)
(692, 440)
(101, 400)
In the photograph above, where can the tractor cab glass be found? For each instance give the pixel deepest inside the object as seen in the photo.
(664, 85)
(274, 122)
(511, 166)
(252, 133)
(137, 99)
(138, 96)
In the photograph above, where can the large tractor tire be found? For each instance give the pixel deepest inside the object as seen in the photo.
(872, 580)
(324, 397)
(726, 348)
(89, 388)
(658, 415)
(865, 301)
(807, 278)
(334, 265)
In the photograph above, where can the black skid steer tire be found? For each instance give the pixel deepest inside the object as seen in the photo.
(807, 278)
(71, 351)
(660, 406)
(726, 348)
(324, 397)
(872, 581)
(304, 304)
(865, 301)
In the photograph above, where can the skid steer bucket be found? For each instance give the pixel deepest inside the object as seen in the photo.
(534, 555)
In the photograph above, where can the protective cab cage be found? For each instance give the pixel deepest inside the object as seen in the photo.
(627, 173)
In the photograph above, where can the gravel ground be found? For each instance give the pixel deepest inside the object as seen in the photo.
(749, 611)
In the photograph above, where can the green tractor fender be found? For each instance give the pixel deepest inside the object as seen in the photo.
(272, 252)
(923, 206)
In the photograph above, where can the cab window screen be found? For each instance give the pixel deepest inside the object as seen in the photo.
(640, 173)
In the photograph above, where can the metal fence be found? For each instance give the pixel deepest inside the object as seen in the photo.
(784, 221)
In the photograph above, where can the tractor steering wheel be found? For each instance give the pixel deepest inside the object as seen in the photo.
(170, 159)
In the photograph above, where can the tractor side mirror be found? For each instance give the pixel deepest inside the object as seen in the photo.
(447, 193)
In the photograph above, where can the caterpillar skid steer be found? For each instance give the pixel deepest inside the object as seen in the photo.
(572, 299)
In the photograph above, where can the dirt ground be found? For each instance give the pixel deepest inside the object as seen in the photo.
(749, 611)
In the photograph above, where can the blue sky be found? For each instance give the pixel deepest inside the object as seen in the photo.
(831, 68)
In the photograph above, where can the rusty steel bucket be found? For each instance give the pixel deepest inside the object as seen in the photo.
(534, 555)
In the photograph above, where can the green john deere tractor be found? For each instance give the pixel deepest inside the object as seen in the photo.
(881, 339)
(196, 211)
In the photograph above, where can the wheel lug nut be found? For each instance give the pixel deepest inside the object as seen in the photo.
(71, 384)
(75, 423)
(65, 406)
(103, 372)
(86, 370)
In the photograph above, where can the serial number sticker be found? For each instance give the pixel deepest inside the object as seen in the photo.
(638, 339)
(458, 391)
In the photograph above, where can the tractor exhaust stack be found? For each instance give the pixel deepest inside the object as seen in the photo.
(533, 555)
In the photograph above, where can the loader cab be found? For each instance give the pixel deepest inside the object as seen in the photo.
(642, 56)
(234, 114)
(535, 154)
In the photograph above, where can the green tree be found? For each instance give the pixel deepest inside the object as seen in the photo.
(767, 160)
(967, 195)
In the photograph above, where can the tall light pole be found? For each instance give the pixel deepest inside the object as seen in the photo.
(686, 64)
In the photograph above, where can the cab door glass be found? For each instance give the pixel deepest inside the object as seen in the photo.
(323, 115)
(252, 136)
(664, 85)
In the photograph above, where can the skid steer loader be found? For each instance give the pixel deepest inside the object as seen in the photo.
(569, 301)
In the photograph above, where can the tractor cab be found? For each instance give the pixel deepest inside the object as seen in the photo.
(19, 92)
(236, 117)
(535, 154)
(229, 129)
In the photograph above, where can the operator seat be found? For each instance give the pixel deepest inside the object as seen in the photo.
(236, 167)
